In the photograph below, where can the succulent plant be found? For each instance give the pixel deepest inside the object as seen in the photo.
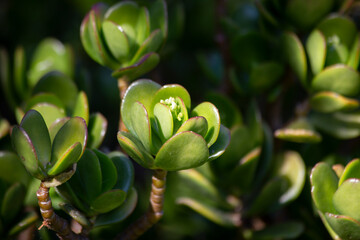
(335, 192)
(101, 188)
(49, 154)
(160, 124)
(13, 187)
(126, 36)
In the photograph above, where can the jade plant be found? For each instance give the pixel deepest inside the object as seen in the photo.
(334, 191)
(126, 36)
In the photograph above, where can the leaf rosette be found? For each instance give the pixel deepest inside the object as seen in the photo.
(164, 133)
(125, 37)
(335, 194)
(49, 156)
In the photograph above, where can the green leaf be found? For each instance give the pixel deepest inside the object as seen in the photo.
(19, 72)
(97, 129)
(134, 148)
(4, 127)
(342, 125)
(11, 163)
(352, 170)
(50, 112)
(324, 182)
(227, 219)
(12, 202)
(182, 151)
(87, 180)
(26, 222)
(344, 226)
(90, 34)
(56, 126)
(296, 57)
(195, 124)
(142, 91)
(151, 44)
(142, 26)
(158, 16)
(264, 75)
(243, 174)
(291, 166)
(125, 171)
(108, 171)
(5, 79)
(268, 196)
(141, 124)
(212, 116)
(288, 230)
(81, 108)
(26, 151)
(328, 102)
(222, 142)
(60, 85)
(316, 50)
(172, 90)
(44, 98)
(75, 214)
(69, 157)
(119, 213)
(344, 198)
(50, 55)
(164, 121)
(108, 201)
(73, 131)
(353, 60)
(338, 78)
(35, 127)
(116, 39)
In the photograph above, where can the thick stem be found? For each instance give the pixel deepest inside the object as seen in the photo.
(51, 219)
(155, 211)
(123, 84)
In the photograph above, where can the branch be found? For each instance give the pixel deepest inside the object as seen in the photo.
(51, 219)
(155, 211)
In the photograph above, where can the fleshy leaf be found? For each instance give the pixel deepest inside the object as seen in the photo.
(353, 60)
(142, 91)
(345, 227)
(44, 98)
(172, 90)
(296, 57)
(55, 127)
(10, 163)
(75, 214)
(97, 129)
(26, 151)
(344, 198)
(141, 124)
(352, 170)
(50, 112)
(4, 127)
(134, 148)
(328, 102)
(159, 17)
(19, 71)
(35, 127)
(316, 50)
(108, 201)
(120, 213)
(324, 183)
(184, 150)
(151, 44)
(108, 171)
(81, 108)
(164, 121)
(195, 124)
(212, 116)
(73, 131)
(116, 39)
(338, 78)
(287, 230)
(222, 142)
(12, 202)
(69, 157)
(26, 222)
(125, 171)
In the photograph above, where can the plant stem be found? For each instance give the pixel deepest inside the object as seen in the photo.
(51, 219)
(155, 211)
(123, 84)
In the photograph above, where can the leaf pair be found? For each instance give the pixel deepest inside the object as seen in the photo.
(47, 154)
(334, 197)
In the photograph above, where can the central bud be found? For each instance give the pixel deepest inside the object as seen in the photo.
(175, 107)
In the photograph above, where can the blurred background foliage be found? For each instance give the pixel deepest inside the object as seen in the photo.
(248, 58)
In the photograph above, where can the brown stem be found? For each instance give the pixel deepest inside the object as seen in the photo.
(123, 84)
(51, 219)
(155, 211)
